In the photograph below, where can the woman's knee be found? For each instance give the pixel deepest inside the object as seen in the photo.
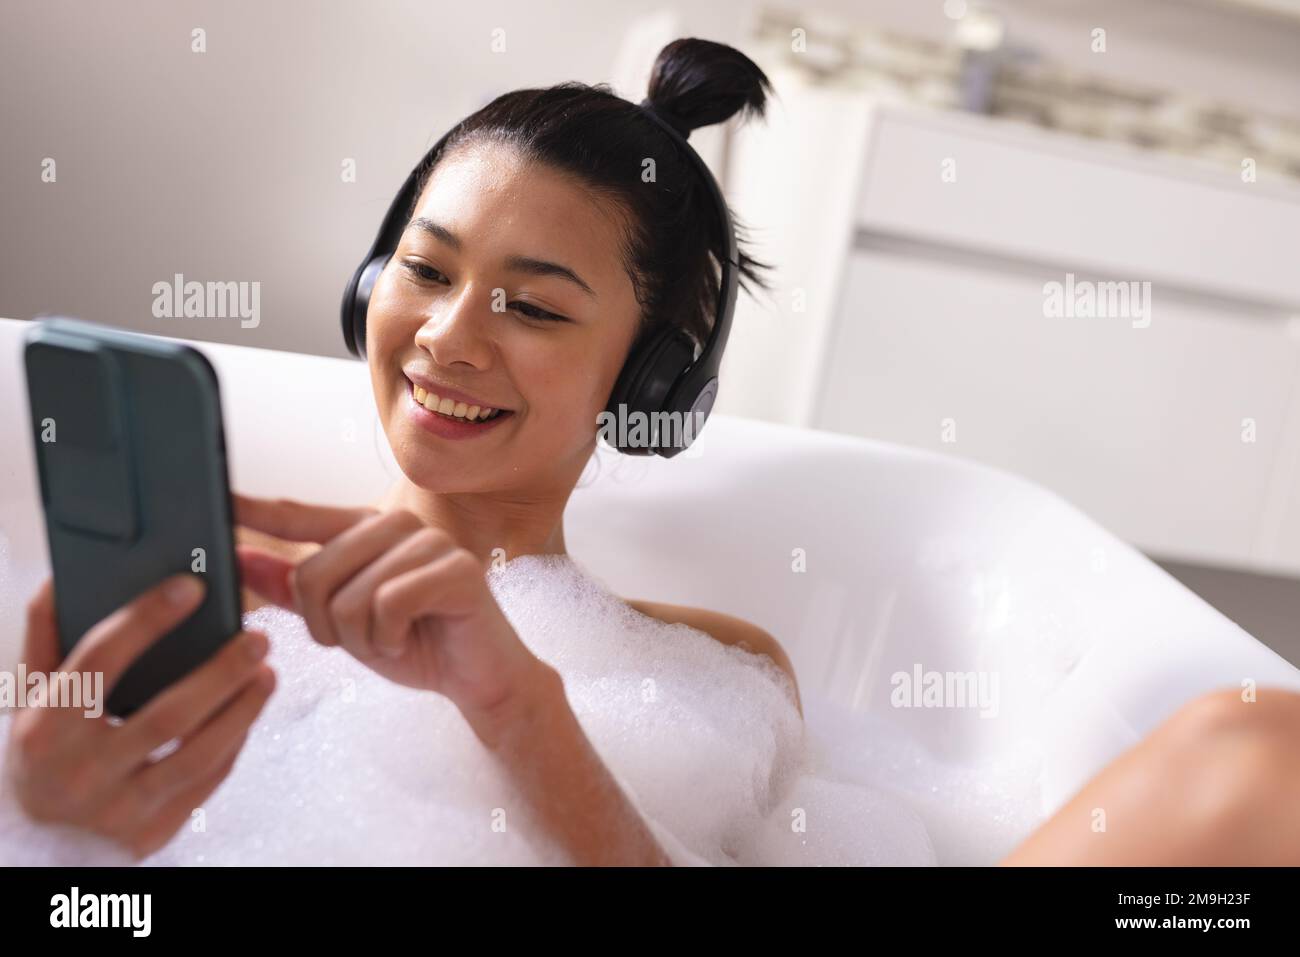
(1212, 785)
(1270, 716)
(1234, 765)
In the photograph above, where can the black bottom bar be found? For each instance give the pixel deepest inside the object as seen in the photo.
(237, 906)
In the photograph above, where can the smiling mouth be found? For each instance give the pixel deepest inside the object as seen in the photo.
(455, 411)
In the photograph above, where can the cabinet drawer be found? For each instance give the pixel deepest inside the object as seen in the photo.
(1056, 199)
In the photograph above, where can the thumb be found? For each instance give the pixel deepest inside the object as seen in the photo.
(267, 575)
(41, 651)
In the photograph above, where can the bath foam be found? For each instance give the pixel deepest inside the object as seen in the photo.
(344, 767)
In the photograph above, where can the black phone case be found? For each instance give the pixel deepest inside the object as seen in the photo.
(134, 485)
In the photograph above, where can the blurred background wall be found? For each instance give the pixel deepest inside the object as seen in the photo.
(930, 170)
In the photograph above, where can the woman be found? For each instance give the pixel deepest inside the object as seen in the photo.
(536, 254)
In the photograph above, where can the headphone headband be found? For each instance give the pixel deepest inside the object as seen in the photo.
(662, 375)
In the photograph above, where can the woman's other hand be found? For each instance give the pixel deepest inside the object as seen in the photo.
(96, 774)
(402, 597)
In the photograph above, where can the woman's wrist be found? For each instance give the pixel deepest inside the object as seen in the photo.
(539, 741)
(539, 691)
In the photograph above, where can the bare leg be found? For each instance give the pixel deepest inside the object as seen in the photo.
(1217, 784)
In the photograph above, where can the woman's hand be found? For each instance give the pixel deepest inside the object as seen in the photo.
(409, 602)
(70, 769)
(400, 596)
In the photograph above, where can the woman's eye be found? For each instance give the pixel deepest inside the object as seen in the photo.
(532, 312)
(425, 272)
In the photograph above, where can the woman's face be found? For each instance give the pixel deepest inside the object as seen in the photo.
(507, 287)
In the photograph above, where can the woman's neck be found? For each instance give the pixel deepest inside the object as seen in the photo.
(486, 521)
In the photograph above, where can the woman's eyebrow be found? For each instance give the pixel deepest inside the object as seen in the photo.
(525, 264)
(427, 225)
(540, 267)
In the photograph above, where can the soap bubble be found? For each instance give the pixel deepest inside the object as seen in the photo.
(344, 767)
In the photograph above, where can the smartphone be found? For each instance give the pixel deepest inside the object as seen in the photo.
(131, 452)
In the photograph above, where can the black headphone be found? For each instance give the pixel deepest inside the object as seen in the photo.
(661, 375)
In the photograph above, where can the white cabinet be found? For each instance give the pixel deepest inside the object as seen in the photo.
(1181, 434)
(1146, 429)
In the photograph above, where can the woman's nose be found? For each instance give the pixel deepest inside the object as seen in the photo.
(460, 329)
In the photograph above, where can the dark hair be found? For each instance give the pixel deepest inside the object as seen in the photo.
(673, 244)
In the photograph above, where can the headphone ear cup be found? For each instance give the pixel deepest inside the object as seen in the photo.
(356, 304)
(644, 384)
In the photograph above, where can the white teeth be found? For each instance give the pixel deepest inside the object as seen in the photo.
(449, 407)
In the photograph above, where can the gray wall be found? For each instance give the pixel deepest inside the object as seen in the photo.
(225, 165)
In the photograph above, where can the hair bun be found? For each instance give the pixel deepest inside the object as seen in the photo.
(698, 83)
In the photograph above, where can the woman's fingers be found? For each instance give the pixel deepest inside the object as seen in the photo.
(159, 828)
(131, 820)
(113, 645)
(177, 711)
(205, 749)
(296, 521)
(318, 577)
(89, 771)
(41, 651)
(268, 575)
(397, 603)
(353, 605)
(63, 736)
(443, 586)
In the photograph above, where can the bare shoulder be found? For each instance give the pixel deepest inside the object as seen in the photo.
(727, 629)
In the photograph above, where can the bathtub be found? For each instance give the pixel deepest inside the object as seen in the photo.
(866, 561)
